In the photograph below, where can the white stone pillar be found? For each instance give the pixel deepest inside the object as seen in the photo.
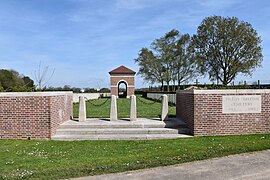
(113, 112)
(82, 109)
(133, 109)
(164, 107)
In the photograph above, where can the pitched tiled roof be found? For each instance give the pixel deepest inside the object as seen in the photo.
(122, 70)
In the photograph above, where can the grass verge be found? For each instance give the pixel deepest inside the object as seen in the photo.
(145, 108)
(66, 159)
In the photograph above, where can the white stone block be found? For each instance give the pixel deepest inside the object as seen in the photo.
(133, 109)
(164, 107)
(82, 109)
(113, 111)
(241, 104)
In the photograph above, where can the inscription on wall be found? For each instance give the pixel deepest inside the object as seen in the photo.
(241, 104)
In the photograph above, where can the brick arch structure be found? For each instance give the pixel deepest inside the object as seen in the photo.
(124, 95)
(122, 74)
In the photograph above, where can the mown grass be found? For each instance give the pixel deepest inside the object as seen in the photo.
(145, 108)
(60, 159)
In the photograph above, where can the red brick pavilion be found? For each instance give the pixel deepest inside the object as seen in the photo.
(122, 75)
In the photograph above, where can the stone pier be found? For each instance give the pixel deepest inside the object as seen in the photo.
(82, 109)
(113, 111)
(164, 107)
(133, 109)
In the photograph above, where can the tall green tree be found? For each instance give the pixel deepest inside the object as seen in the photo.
(150, 67)
(184, 66)
(28, 82)
(225, 47)
(10, 79)
(164, 51)
(167, 59)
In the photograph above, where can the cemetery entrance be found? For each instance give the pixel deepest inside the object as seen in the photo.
(119, 77)
(122, 89)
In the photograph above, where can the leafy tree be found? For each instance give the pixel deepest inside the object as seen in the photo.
(28, 82)
(76, 90)
(226, 47)
(11, 80)
(183, 67)
(167, 60)
(67, 88)
(164, 48)
(150, 67)
(50, 88)
(1, 88)
(90, 90)
(104, 90)
(64, 88)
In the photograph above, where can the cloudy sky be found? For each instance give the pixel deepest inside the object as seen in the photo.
(84, 39)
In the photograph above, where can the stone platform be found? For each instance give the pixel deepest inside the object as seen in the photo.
(122, 129)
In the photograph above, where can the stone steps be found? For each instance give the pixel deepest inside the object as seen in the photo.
(85, 131)
(119, 137)
(97, 129)
(115, 126)
(140, 123)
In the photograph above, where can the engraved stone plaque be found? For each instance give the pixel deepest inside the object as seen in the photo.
(241, 104)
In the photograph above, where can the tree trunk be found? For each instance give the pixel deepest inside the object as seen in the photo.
(179, 84)
(162, 86)
(168, 86)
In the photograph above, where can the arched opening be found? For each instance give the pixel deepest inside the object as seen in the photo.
(122, 89)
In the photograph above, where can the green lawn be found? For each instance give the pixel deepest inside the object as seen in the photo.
(66, 159)
(145, 108)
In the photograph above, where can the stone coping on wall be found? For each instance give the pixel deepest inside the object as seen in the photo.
(21, 94)
(226, 91)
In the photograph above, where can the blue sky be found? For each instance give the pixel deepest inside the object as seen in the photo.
(84, 39)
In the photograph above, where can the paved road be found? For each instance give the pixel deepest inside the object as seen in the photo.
(248, 166)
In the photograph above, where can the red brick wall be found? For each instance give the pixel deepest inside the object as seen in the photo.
(114, 91)
(185, 109)
(130, 91)
(203, 113)
(116, 79)
(61, 111)
(33, 115)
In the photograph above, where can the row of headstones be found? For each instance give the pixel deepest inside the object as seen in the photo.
(133, 108)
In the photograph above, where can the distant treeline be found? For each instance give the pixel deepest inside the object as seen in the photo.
(77, 90)
(11, 81)
(206, 86)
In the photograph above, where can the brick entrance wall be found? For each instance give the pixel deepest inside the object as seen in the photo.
(202, 111)
(34, 115)
(116, 79)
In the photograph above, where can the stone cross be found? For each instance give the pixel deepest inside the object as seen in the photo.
(113, 112)
(197, 82)
(133, 109)
(82, 109)
(164, 107)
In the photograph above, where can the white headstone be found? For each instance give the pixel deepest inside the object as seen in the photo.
(133, 109)
(113, 112)
(164, 107)
(82, 109)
